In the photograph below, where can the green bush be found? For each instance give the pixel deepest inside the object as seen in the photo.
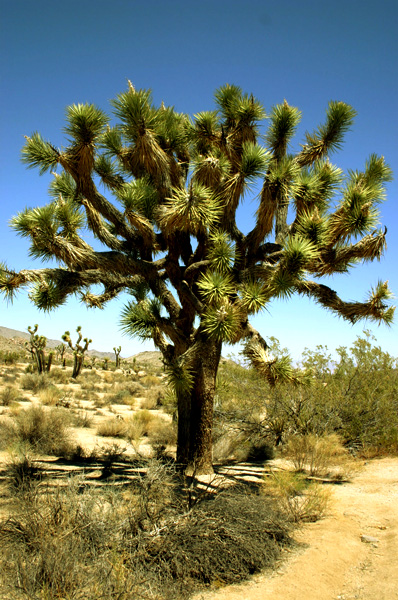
(9, 357)
(355, 397)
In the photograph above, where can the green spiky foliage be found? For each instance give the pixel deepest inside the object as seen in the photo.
(159, 191)
(78, 350)
(36, 346)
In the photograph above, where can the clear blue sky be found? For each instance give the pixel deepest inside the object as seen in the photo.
(310, 52)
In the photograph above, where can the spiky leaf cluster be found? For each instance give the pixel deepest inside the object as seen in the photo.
(167, 227)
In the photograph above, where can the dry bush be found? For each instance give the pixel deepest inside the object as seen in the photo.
(113, 427)
(147, 421)
(162, 433)
(149, 381)
(144, 541)
(9, 357)
(300, 500)
(59, 376)
(82, 419)
(119, 377)
(90, 386)
(88, 396)
(320, 456)
(224, 539)
(235, 442)
(8, 377)
(107, 377)
(50, 396)
(154, 398)
(134, 432)
(134, 388)
(22, 474)
(56, 547)
(9, 395)
(45, 431)
(35, 382)
(120, 395)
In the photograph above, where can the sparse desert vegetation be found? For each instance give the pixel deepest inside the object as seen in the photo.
(93, 505)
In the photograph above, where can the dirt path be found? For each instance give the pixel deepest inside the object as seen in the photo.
(350, 555)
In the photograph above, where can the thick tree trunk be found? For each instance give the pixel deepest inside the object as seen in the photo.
(183, 429)
(200, 452)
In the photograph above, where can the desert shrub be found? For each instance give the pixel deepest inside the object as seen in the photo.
(120, 396)
(146, 420)
(299, 500)
(82, 418)
(319, 455)
(9, 357)
(154, 398)
(35, 382)
(22, 474)
(90, 386)
(52, 546)
(50, 396)
(75, 541)
(149, 381)
(9, 395)
(162, 433)
(133, 387)
(45, 431)
(355, 397)
(113, 427)
(9, 376)
(59, 376)
(119, 377)
(6, 434)
(98, 401)
(212, 545)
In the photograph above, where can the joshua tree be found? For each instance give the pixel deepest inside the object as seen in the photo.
(77, 349)
(36, 346)
(173, 240)
(117, 352)
(61, 353)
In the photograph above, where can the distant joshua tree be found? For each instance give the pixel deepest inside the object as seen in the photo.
(36, 346)
(173, 240)
(77, 349)
(117, 355)
(61, 349)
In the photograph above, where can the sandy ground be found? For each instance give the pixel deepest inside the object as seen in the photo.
(350, 554)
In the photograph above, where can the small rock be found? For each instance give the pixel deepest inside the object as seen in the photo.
(368, 539)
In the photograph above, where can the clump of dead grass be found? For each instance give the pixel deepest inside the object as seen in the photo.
(300, 500)
(43, 431)
(320, 456)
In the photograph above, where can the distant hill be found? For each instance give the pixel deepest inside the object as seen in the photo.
(147, 359)
(12, 339)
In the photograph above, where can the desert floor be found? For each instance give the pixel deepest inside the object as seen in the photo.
(352, 554)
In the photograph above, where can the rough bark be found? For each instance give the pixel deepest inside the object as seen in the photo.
(183, 430)
(202, 401)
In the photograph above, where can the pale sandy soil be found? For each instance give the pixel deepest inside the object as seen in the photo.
(334, 561)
